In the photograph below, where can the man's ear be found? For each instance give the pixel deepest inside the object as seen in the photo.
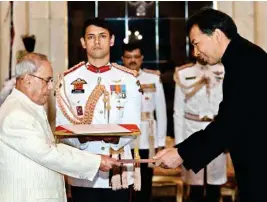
(26, 79)
(112, 40)
(218, 35)
(83, 42)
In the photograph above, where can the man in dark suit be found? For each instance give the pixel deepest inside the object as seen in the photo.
(240, 125)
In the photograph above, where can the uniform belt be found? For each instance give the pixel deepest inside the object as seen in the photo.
(146, 116)
(195, 117)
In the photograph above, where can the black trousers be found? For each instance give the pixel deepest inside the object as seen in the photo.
(146, 180)
(212, 193)
(197, 192)
(83, 194)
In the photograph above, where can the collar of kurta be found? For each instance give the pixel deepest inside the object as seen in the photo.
(101, 69)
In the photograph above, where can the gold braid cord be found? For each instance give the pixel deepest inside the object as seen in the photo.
(156, 72)
(196, 86)
(125, 69)
(89, 107)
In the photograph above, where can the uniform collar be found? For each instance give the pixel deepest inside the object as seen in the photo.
(139, 72)
(95, 69)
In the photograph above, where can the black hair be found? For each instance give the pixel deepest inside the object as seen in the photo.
(208, 19)
(96, 22)
(132, 46)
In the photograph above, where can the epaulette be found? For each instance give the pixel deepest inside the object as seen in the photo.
(125, 69)
(156, 72)
(177, 69)
(184, 66)
(74, 68)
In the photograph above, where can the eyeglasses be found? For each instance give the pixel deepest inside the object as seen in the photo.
(132, 56)
(47, 81)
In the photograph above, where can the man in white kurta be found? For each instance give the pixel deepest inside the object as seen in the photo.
(153, 129)
(31, 164)
(198, 93)
(98, 92)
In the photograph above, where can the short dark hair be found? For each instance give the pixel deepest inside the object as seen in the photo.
(132, 46)
(208, 19)
(99, 22)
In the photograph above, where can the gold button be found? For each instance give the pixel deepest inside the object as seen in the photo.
(101, 111)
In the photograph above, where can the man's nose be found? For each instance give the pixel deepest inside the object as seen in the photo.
(196, 51)
(132, 58)
(97, 40)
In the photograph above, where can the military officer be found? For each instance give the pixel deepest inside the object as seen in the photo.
(198, 93)
(153, 130)
(100, 92)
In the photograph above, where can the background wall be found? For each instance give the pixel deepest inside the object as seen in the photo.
(48, 22)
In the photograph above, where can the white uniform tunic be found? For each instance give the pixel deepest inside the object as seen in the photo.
(203, 104)
(153, 100)
(125, 101)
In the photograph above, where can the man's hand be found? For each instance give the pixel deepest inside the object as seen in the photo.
(107, 163)
(169, 158)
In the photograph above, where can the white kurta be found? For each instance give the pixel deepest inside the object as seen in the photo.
(124, 110)
(203, 105)
(30, 161)
(153, 100)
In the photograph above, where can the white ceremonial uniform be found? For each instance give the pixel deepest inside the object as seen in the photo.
(192, 110)
(30, 162)
(153, 100)
(125, 101)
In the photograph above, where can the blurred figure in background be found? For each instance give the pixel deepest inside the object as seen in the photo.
(153, 115)
(198, 93)
(7, 88)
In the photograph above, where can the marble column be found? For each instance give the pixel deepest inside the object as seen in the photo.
(58, 47)
(250, 18)
(47, 20)
(4, 40)
(243, 14)
(261, 24)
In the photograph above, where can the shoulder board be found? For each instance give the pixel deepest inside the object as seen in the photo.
(156, 72)
(184, 66)
(176, 73)
(125, 69)
(74, 68)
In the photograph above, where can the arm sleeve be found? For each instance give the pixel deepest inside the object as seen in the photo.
(205, 145)
(20, 133)
(178, 115)
(161, 114)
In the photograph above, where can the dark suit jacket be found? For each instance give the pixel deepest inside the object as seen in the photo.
(241, 123)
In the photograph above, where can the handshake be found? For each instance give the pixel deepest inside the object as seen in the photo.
(166, 158)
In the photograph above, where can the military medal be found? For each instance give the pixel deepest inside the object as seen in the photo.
(79, 110)
(149, 87)
(120, 90)
(123, 91)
